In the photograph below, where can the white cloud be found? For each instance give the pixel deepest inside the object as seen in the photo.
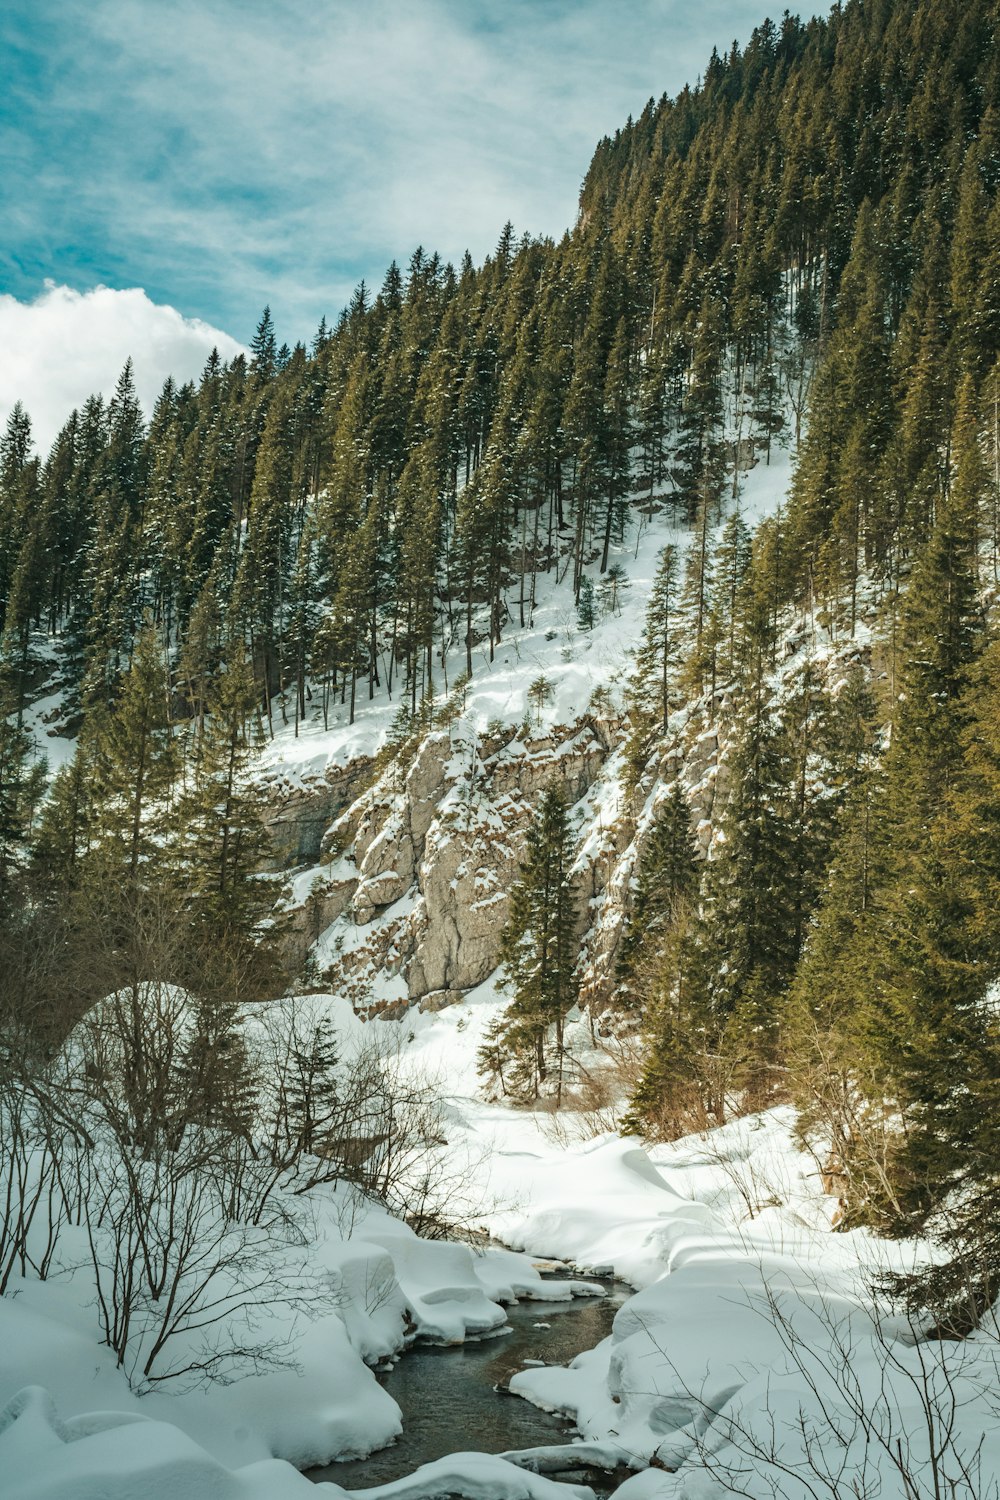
(228, 155)
(66, 345)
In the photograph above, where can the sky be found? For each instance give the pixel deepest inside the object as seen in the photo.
(206, 157)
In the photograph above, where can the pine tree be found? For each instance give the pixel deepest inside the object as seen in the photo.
(586, 614)
(219, 830)
(616, 439)
(313, 1087)
(258, 596)
(750, 898)
(216, 1085)
(538, 947)
(15, 458)
(64, 829)
(657, 660)
(684, 1084)
(667, 884)
(612, 588)
(963, 1145)
(131, 759)
(698, 458)
(731, 566)
(934, 1021)
(22, 783)
(263, 348)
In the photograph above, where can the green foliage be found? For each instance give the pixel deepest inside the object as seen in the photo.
(666, 886)
(586, 614)
(810, 233)
(540, 694)
(657, 659)
(132, 763)
(538, 952)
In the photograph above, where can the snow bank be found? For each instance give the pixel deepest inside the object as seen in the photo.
(475, 1476)
(387, 1286)
(118, 1456)
(607, 1205)
(755, 1358)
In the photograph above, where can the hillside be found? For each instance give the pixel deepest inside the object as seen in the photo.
(559, 706)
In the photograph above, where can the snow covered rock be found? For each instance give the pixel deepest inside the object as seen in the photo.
(475, 1476)
(119, 1456)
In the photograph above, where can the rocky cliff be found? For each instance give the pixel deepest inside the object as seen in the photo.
(410, 895)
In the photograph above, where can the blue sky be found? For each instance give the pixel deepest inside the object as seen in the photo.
(222, 154)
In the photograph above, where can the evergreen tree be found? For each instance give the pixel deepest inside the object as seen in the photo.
(934, 1021)
(257, 604)
(750, 900)
(586, 614)
(263, 348)
(22, 784)
(657, 658)
(538, 948)
(220, 834)
(131, 760)
(312, 1089)
(667, 885)
(684, 1083)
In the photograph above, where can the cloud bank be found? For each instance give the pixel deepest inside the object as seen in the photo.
(66, 345)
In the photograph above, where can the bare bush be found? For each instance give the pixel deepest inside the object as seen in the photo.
(187, 1231)
(596, 1099)
(859, 1407)
(180, 1137)
(32, 1206)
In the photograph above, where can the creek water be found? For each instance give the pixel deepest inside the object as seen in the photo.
(448, 1399)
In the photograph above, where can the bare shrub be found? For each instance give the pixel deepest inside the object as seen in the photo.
(855, 1406)
(32, 1206)
(181, 1138)
(596, 1099)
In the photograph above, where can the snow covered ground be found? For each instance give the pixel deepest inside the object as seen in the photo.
(753, 1358)
(747, 1348)
(550, 644)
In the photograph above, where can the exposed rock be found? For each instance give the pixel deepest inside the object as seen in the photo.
(296, 815)
(432, 846)
(424, 784)
(447, 831)
(451, 830)
(300, 926)
(441, 999)
(376, 894)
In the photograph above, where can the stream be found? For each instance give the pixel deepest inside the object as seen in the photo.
(447, 1395)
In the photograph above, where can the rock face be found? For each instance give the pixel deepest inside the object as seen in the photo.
(413, 909)
(409, 901)
(297, 814)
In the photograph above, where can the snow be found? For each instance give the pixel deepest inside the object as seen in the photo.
(550, 644)
(755, 1356)
(475, 1476)
(764, 488)
(114, 1456)
(39, 717)
(371, 1285)
(750, 1356)
(752, 1326)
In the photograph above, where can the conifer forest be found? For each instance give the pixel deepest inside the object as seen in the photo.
(711, 484)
